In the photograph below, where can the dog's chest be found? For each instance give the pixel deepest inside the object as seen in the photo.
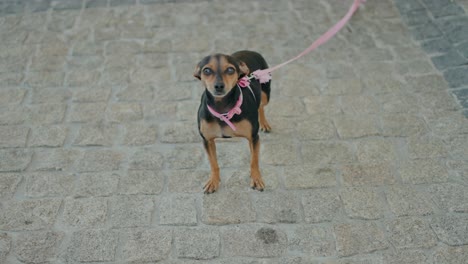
(212, 130)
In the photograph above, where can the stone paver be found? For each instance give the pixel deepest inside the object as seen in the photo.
(101, 160)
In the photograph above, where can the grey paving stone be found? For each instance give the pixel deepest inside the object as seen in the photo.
(454, 28)
(456, 77)
(451, 9)
(13, 136)
(322, 104)
(46, 113)
(368, 175)
(96, 135)
(131, 211)
(427, 83)
(376, 151)
(124, 112)
(353, 126)
(13, 115)
(426, 31)
(410, 233)
(278, 207)
(41, 78)
(140, 135)
(231, 207)
(142, 182)
(97, 184)
(450, 197)
(50, 95)
(416, 17)
(463, 49)
(451, 255)
(136, 93)
(96, 3)
(279, 153)
(187, 181)
(178, 210)
(150, 245)
(343, 86)
(362, 203)
(407, 257)
(14, 159)
(254, 241)
(197, 243)
(121, 2)
(29, 214)
(405, 6)
(146, 159)
(315, 241)
(451, 230)
(5, 245)
(48, 184)
(180, 132)
(54, 159)
(448, 60)
(320, 153)
(8, 184)
(355, 238)
(233, 154)
(38, 247)
(426, 147)
(92, 245)
(423, 171)
(85, 213)
(315, 128)
(307, 177)
(87, 112)
(185, 157)
(322, 205)
(100, 160)
(66, 4)
(91, 94)
(440, 45)
(12, 96)
(406, 201)
(48, 136)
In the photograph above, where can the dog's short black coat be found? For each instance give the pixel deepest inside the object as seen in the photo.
(244, 62)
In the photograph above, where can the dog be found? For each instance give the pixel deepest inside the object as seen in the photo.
(242, 107)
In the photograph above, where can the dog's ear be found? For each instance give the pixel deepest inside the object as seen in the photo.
(203, 62)
(244, 70)
(197, 72)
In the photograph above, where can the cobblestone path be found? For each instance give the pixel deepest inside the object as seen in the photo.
(101, 161)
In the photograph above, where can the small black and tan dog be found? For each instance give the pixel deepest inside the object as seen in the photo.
(220, 74)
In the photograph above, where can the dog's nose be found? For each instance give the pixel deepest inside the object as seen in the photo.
(219, 87)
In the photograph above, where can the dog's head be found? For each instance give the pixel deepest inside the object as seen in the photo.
(219, 73)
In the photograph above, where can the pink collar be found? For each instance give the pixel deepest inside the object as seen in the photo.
(226, 117)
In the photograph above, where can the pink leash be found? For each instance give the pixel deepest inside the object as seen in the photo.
(264, 76)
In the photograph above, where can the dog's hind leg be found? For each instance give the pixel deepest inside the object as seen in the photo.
(264, 125)
(255, 176)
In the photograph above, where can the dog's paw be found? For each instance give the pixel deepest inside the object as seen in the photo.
(256, 183)
(265, 127)
(211, 186)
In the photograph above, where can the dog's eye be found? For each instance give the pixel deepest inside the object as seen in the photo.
(207, 71)
(230, 70)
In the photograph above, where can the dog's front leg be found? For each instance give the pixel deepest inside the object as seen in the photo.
(213, 183)
(256, 181)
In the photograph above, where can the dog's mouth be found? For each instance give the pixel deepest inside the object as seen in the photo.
(218, 94)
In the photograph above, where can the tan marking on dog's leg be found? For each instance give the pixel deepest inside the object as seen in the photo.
(264, 125)
(255, 176)
(213, 183)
